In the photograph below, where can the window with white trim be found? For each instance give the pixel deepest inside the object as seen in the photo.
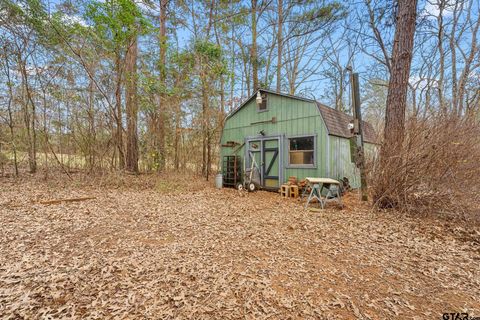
(301, 151)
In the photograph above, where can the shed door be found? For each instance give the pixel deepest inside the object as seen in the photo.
(266, 152)
(270, 164)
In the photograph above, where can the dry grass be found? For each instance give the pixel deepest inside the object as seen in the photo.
(156, 248)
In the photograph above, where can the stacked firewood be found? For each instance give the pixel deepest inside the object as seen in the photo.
(303, 183)
(292, 181)
(303, 186)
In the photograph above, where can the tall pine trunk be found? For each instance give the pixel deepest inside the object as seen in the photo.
(390, 160)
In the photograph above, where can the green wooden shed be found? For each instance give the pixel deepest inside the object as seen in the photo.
(291, 136)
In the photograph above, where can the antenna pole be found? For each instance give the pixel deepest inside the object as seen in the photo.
(358, 134)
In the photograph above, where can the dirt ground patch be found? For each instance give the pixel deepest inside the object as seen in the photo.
(201, 253)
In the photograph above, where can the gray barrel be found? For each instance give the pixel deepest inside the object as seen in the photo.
(219, 181)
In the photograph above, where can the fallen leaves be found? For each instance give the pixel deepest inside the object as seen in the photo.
(217, 254)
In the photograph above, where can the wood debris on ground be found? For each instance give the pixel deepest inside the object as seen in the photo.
(55, 201)
(177, 252)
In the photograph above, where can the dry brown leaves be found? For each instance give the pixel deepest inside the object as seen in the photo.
(217, 254)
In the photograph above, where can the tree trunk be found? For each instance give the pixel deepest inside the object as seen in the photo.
(279, 45)
(177, 135)
(253, 55)
(440, 35)
(10, 117)
(205, 131)
(29, 119)
(45, 131)
(221, 116)
(396, 104)
(461, 92)
(160, 150)
(401, 62)
(132, 106)
(209, 153)
(339, 93)
(91, 125)
(118, 110)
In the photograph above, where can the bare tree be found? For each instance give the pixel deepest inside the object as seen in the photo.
(279, 44)
(10, 122)
(160, 116)
(132, 105)
(253, 50)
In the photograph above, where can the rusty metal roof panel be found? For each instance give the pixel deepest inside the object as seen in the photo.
(337, 124)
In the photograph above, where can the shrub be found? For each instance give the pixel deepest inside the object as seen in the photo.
(437, 169)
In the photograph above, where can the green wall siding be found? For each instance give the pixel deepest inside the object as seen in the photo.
(340, 161)
(294, 117)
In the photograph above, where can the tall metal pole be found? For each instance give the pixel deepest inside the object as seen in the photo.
(358, 134)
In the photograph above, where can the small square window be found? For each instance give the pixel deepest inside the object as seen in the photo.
(301, 151)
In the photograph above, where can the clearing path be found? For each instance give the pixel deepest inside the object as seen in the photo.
(159, 252)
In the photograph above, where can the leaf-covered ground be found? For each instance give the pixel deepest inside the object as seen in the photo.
(176, 249)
